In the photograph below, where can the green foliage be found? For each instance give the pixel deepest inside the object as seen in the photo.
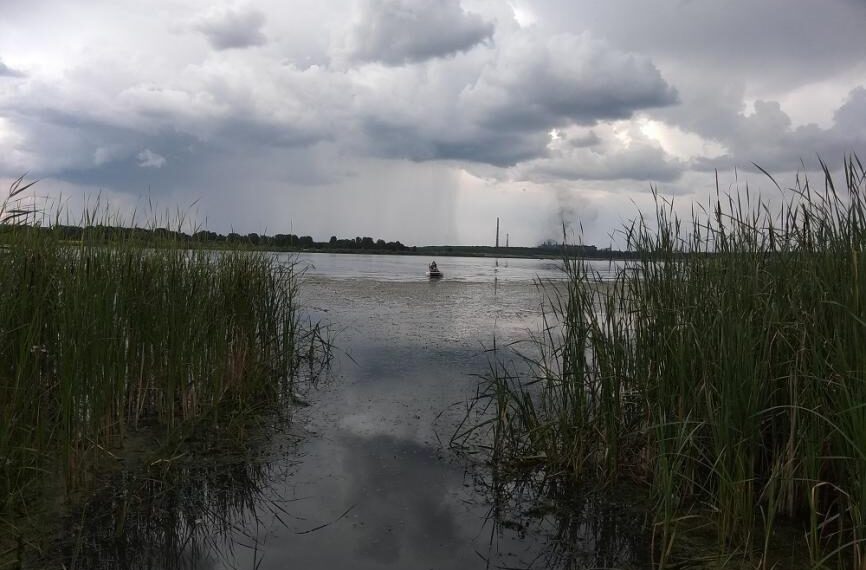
(724, 369)
(102, 337)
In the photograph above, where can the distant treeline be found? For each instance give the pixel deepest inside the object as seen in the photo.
(292, 242)
(203, 237)
(547, 249)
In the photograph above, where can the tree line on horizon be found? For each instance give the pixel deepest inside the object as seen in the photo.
(107, 233)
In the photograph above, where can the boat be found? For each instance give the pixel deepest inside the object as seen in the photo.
(433, 271)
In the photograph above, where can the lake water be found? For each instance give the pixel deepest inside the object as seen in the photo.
(411, 268)
(368, 479)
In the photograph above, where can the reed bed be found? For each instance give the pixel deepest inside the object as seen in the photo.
(98, 339)
(724, 370)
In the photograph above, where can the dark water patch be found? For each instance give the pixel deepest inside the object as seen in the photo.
(194, 510)
(570, 527)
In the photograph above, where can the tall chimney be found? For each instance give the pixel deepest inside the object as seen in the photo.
(506, 240)
(497, 233)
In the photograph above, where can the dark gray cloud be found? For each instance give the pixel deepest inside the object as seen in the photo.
(395, 32)
(782, 42)
(504, 114)
(6, 71)
(80, 128)
(595, 98)
(230, 28)
(767, 137)
(587, 140)
(476, 145)
(565, 79)
(849, 117)
(650, 165)
(82, 151)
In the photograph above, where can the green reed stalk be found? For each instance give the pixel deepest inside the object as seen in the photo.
(725, 369)
(102, 336)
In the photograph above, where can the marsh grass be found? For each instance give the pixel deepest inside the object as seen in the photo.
(724, 370)
(100, 338)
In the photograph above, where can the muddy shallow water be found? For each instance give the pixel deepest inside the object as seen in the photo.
(367, 479)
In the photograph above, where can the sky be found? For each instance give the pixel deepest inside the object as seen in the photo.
(423, 120)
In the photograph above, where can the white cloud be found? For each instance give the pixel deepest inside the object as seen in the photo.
(523, 14)
(679, 143)
(149, 159)
(622, 152)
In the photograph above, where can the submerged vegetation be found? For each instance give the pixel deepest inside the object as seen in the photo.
(184, 513)
(99, 340)
(724, 370)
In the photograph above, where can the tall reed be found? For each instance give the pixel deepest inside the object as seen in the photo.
(99, 338)
(725, 369)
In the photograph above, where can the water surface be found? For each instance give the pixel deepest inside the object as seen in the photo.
(367, 479)
(409, 268)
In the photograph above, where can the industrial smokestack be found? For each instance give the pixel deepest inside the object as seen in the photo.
(497, 233)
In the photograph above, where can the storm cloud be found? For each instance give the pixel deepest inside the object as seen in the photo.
(644, 162)
(502, 113)
(565, 79)
(230, 28)
(395, 32)
(769, 135)
(275, 112)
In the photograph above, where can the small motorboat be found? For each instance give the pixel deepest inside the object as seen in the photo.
(433, 271)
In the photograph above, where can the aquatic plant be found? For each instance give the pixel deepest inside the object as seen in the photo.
(724, 369)
(100, 338)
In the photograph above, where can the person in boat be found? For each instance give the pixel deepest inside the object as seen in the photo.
(433, 267)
